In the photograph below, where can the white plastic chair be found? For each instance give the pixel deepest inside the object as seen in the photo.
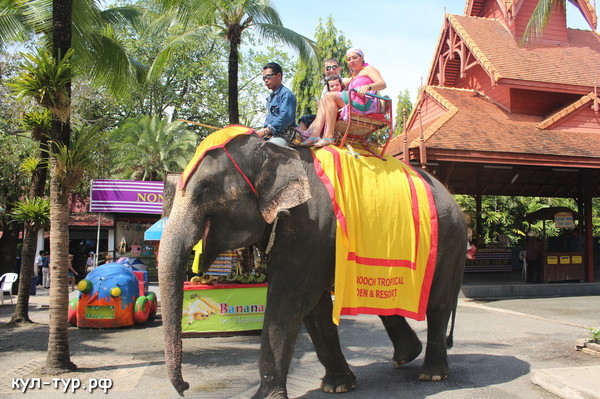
(6, 282)
(522, 256)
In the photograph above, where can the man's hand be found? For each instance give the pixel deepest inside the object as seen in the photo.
(263, 132)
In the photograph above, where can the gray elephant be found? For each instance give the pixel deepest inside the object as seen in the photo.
(231, 201)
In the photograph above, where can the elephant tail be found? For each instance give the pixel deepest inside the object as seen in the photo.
(450, 338)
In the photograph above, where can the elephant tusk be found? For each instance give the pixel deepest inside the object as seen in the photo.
(205, 233)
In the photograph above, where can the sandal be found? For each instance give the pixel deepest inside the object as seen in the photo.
(311, 141)
(323, 142)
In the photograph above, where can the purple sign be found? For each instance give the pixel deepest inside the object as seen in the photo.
(126, 196)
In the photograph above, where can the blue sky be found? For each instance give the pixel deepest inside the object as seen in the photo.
(398, 37)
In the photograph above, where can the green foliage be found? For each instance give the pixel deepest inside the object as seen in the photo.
(99, 54)
(193, 82)
(71, 161)
(34, 212)
(30, 164)
(39, 123)
(229, 21)
(308, 83)
(145, 148)
(595, 335)
(506, 215)
(13, 181)
(46, 80)
(13, 26)
(404, 103)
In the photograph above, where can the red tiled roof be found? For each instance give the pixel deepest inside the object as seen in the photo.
(564, 113)
(479, 125)
(574, 63)
(90, 219)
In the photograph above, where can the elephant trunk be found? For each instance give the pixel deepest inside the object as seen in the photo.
(172, 262)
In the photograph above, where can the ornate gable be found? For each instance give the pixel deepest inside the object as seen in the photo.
(581, 116)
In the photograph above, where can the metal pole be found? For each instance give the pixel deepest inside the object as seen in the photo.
(97, 242)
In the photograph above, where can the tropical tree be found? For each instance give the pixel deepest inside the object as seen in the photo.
(146, 147)
(307, 83)
(404, 107)
(34, 214)
(230, 20)
(13, 150)
(106, 62)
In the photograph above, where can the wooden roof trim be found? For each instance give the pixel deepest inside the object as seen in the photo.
(552, 120)
(451, 110)
(588, 11)
(485, 63)
(509, 158)
(438, 51)
(469, 6)
(545, 86)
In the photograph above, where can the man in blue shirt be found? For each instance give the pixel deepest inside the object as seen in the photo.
(281, 106)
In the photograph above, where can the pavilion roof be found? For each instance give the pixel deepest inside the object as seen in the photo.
(473, 126)
(573, 64)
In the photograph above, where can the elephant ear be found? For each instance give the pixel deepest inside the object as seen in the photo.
(282, 182)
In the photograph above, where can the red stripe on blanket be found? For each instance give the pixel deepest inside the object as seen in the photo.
(331, 191)
(381, 262)
(433, 248)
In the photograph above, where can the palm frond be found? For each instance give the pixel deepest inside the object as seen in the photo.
(13, 26)
(30, 164)
(45, 80)
(32, 211)
(73, 160)
(306, 47)
(182, 42)
(539, 19)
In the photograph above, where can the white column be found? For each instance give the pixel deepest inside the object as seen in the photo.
(111, 242)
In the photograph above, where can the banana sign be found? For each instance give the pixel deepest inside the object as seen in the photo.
(230, 307)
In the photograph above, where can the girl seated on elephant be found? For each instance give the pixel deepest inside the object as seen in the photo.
(365, 79)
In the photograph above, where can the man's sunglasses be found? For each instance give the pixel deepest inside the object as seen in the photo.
(268, 76)
(330, 67)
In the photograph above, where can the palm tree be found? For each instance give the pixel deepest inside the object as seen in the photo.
(229, 20)
(48, 80)
(34, 213)
(30, 211)
(145, 148)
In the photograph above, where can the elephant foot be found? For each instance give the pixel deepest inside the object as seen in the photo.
(433, 373)
(407, 354)
(338, 383)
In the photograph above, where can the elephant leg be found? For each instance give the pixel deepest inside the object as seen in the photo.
(276, 350)
(324, 335)
(407, 345)
(435, 364)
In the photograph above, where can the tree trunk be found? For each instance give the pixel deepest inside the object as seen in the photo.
(37, 188)
(58, 358)
(8, 246)
(21, 315)
(234, 112)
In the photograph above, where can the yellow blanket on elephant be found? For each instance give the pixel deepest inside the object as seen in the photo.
(215, 140)
(386, 241)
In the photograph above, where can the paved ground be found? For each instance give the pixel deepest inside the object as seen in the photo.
(501, 348)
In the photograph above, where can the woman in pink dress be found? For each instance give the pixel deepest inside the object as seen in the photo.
(365, 78)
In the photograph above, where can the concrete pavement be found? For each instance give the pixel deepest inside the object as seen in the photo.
(509, 348)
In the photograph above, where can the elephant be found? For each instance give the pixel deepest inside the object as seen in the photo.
(231, 201)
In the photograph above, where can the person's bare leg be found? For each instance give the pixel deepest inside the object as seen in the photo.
(331, 104)
(315, 128)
